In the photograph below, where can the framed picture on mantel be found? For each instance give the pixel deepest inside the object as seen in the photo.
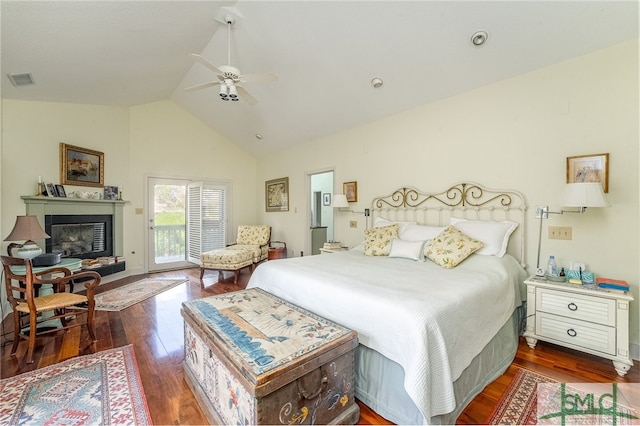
(81, 166)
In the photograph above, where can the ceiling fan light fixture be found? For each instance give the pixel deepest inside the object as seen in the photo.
(224, 92)
(233, 92)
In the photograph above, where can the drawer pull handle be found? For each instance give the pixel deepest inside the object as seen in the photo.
(571, 332)
(572, 306)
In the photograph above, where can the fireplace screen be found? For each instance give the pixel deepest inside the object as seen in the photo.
(78, 239)
(81, 236)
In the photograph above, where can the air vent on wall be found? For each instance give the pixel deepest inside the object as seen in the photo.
(19, 80)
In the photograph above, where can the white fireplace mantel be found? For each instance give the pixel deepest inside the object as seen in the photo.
(42, 206)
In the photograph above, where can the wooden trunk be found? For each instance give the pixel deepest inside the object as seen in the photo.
(252, 358)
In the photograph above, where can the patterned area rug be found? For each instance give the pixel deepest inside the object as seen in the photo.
(130, 294)
(103, 388)
(518, 404)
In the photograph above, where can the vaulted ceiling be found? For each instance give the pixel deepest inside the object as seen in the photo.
(325, 54)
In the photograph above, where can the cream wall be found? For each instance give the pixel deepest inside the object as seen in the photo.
(515, 134)
(167, 141)
(158, 139)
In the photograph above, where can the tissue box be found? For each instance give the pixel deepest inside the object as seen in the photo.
(587, 277)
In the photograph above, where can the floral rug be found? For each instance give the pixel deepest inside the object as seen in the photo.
(518, 403)
(102, 388)
(130, 294)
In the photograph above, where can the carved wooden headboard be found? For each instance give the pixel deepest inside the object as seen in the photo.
(465, 200)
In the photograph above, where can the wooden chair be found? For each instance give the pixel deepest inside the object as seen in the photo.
(29, 306)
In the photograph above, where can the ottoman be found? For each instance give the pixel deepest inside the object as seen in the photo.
(226, 259)
(252, 358)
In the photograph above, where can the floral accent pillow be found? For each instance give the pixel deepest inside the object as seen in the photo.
(451, 247)
(377, 241)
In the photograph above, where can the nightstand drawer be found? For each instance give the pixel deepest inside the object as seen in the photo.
(593, 309)
(579, 333)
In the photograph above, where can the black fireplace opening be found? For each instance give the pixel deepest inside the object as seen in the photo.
(79, 236)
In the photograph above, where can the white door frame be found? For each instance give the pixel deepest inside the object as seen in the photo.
(309, 194)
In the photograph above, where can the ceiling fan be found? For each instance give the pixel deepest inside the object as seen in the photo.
(229, 77)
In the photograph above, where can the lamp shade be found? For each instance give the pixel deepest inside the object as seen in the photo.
(339, 200)
(27, 228)
(584, 195)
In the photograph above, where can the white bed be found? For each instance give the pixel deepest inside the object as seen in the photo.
(430, 338)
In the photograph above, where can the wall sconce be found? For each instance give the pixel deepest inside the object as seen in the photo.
(578, 195)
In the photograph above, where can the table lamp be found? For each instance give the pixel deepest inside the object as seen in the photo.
(26, 228)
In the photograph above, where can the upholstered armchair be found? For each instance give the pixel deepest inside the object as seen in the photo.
(254, 238)
(250, 248)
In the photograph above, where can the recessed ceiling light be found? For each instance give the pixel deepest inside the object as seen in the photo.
(377, 83)
(479, 38)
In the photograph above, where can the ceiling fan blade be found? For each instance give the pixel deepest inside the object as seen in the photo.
(206, 63)
(259, 77)
(246, 96)
(202, 86)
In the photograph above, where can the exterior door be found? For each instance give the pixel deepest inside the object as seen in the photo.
(167, 222)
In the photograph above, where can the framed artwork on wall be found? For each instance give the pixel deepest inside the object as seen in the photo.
(589, 168)
(350, 189)
(81, 166)
(326, 199)
(276, 194)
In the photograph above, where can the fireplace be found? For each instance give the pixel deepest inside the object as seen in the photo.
(86, 236)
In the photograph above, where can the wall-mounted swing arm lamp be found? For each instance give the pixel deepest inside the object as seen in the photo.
(576, 195)
(339, 201)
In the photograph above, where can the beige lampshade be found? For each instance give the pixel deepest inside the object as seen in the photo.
(27, 228)
(584, 195)
(339, 200)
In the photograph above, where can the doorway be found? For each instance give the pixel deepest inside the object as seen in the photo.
(167, 224)
(321, 213)
(186, 218)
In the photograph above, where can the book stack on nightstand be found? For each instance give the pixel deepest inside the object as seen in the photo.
(611, 284)
(332, 247)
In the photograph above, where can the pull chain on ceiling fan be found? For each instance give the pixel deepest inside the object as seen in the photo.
(229, 77)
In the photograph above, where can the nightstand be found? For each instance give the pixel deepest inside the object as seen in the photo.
(584, 318)
(333, 250)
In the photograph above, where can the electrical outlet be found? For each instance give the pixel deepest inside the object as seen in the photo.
(560, 233)
(353, 224)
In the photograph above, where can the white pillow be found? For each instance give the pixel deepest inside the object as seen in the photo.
(413, 232)
(380, 221)
(407, 249)
(494, 235)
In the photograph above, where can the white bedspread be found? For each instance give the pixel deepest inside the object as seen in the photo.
(432, 321)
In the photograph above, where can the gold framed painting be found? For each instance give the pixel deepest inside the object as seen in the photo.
(589, 168)
(81, 166)
(350, 189)
(276, 193)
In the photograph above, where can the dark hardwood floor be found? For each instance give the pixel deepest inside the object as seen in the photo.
(154, 328)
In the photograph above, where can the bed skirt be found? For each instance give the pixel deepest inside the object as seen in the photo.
(384, 391)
